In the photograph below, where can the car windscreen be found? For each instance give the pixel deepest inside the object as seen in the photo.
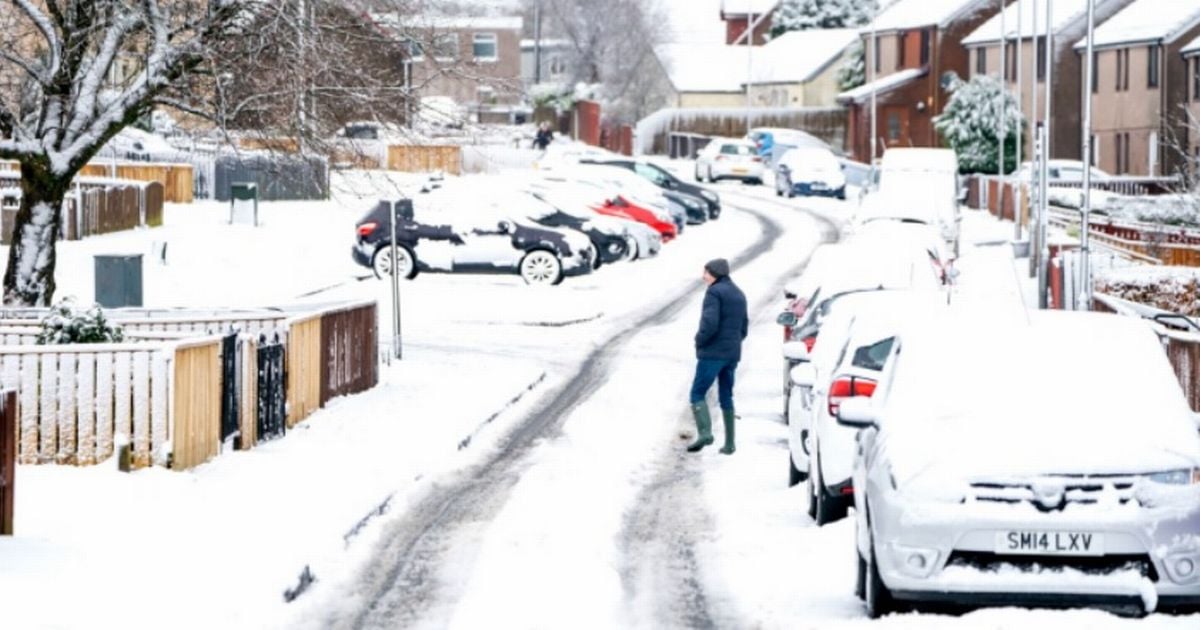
(737, 149)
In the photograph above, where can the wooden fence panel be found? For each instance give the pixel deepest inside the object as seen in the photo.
(122, 399)
(105, 419)
(141, 410)
(1185, 358)
(303, 371)
(8, 460)
(423, 159)
(85, 384)
(29, 409)
(248, 415)
(48, 408)
(197, 390)
(349, 347)
(66, 410)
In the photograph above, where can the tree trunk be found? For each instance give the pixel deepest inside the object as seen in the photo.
(29, 277)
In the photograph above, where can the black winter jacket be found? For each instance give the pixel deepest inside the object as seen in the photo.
(723, 323)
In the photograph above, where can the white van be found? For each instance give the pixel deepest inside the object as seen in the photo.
(925, 179)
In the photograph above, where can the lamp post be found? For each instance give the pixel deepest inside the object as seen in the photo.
(1019, 190)
(1003, 132)
(872, 45)
(1085, 267)
(396, 347)
(1044, 188)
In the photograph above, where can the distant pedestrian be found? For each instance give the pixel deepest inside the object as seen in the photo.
(724, 323)
(544, 137)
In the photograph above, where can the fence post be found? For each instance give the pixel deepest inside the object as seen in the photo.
(8, 459)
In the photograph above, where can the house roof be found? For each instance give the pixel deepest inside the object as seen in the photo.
(704, 67)
(1066, 12)
(882, 84)
(1193, 48)
(906, 14)
(1147, 21)
(799, 56)
(753, 7)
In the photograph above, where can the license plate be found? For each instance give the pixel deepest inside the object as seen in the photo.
(818, 186)
(1049, 543)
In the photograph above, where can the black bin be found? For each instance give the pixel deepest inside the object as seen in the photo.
(119, 280)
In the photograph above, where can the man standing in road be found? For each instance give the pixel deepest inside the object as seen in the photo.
(723, 325)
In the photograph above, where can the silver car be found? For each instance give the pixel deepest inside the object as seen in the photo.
(1046, 459)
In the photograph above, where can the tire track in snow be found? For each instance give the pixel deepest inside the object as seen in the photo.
(401, 584)
(671, 521)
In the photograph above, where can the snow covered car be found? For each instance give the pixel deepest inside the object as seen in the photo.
(727, 158)
(772, 142)
(434, 239)
(988, 474)
(582, 198)
(810, 171)
(610, 238)
(925, 236)
(667, 180)
(909, 206)
(622, 199)
(684, 209)
(845, 362)
(838, 270)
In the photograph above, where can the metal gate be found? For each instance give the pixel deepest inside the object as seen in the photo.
(230, 392)
(272, 409)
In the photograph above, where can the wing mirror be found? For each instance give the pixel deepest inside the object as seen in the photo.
(795, 351)
(857, 413)
(787, 318)
(803, 375)
(608, 203)
(404, 209)
(506, 227)
(962, 195)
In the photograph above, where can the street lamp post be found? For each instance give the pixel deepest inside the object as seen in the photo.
(396, 347)
(1019, 190)
(1085, 267)
(870, 60)
(1003, 131)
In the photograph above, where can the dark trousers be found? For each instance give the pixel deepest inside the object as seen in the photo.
(719, 370)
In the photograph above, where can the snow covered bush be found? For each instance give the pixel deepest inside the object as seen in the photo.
(801, 15)
(1175, 289)
(853, 72)
(67, 323)
(970, 122)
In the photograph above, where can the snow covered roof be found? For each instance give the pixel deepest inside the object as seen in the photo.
(906, 14)
(1065, 13)
(883, 84)
(798, 56)
(1147, 21)
(450, 22)
(753, 7)
(1192, 48)
(547, 44)
(704, 67)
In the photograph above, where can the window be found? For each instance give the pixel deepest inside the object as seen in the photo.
(415, 51)
(1152, 64)
(878, 60)
(925, 43)
(893, 125)
(981, 61)
(1041, 58)
(558, 66)
(1123, 70)
(1010, 67)
(874, 356)
(1095, 72)
(484, 47)
(1120, 145)
(445, 46)
(900, 38)
(1196, 79)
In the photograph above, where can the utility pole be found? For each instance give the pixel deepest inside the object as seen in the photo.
(396, 348)
(537, 43)
(1003, 132)
(1035, 157)
(749, 59)
(1085, 267)
(873, 53)
(1044, 193)
(1019, 190)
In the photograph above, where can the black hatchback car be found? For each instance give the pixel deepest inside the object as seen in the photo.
(610, 240)
(668, 182)
(466, 240)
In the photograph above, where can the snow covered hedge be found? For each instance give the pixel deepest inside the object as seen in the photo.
(1173, 210)
(67, 323)
(970, 124)
(801, 15)
(1175, 289)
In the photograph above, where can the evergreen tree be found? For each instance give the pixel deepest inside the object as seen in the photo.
(853, 72)
(970, 123)
(800, 15)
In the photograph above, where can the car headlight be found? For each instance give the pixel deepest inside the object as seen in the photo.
(709, 195)
(1181, 477)
(614, 247)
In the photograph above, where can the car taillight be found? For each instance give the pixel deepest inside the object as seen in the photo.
(848, 387)
(756, 159)
(365, 229)
(787, 333)
(719, 158)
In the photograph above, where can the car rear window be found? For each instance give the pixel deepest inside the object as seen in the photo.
(736, 149)
(872, 357)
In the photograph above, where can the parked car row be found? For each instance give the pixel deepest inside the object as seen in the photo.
(543, 225)
(991, 454)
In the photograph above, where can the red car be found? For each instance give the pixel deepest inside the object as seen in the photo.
(621, 206)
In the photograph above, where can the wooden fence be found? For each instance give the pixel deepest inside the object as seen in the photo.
(175, 179)
(8, 459)
(161, 390)
(98, 209)
(423, 159)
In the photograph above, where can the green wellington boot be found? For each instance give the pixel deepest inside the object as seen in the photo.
(703, 427)
(727, 416)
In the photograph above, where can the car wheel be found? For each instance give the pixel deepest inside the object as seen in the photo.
(875, 593)
(778, 190)
(541, 267)
(631, 248)
(381, 262)
(697, 174)
(812, 490)
(827, 508)
(711, 179)
(795, 476)
(860, 577)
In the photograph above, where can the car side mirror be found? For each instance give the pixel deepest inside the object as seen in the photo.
(803, 375)
(795, 351)
(857, 413)
(506, 227)
(608, 203)
(404, 209)
(962, 195)
(787, 318)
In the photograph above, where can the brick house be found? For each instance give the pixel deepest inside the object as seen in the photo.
(738, 15)
(1141, 86)
(1070, 24)
(476, 61)
(1191, 55)
(917, 44)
